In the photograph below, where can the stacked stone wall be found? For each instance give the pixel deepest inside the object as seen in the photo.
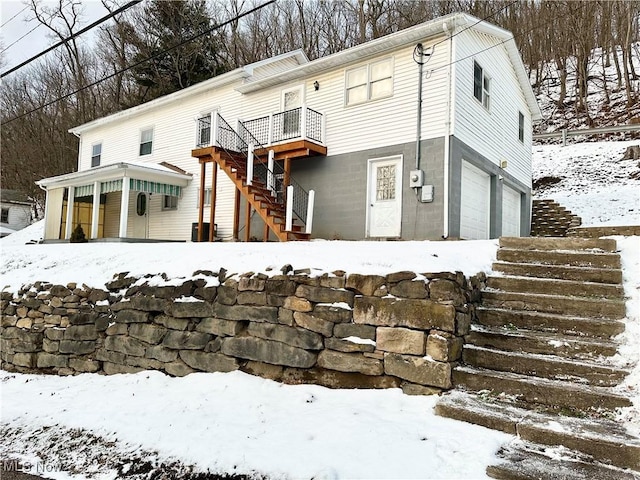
(344, 331)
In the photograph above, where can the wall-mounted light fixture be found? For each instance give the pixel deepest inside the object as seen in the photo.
(316, 86)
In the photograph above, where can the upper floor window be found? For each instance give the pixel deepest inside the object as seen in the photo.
(96, 153)
(146, 141)
(4, 217)
(369, 82)
(481, 85)
(521, 127)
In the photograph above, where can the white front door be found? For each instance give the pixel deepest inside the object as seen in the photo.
(510, 212)
(384, 195)
(140, 218)
(475, 193)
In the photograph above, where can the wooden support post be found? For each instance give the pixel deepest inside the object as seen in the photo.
(265, 235)
(236, 216)
(247, 222)
(203, 173)
(287, 177)
(212, 206)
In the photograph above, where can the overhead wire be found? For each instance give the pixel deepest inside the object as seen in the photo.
(118, 72)
(5, 23)
(72, 36)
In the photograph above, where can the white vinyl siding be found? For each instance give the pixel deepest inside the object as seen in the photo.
(491, 133)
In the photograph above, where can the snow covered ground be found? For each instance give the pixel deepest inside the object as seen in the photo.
(110, 427)
(594, 182)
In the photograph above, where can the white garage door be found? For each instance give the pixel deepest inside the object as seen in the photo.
(474, 206)
(510, 212)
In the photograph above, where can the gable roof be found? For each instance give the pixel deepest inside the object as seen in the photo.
(253, 81)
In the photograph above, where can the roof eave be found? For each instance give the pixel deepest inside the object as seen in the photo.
(114, 171)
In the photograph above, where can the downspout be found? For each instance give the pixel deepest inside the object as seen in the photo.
(447, 142)
(420, 52)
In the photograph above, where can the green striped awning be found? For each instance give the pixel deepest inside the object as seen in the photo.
(83, 191)
(154, 187)
(111, 186)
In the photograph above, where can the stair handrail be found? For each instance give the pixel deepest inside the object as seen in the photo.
(300, 195)
(232, 143)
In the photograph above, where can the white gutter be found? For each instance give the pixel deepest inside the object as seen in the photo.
(447, 135)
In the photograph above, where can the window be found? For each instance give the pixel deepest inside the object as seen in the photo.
(481, 85)
(169, 202)
(96, 153)
(369, 82)
(521, 127)
(207, 198)
(146, 141)
(4, 218)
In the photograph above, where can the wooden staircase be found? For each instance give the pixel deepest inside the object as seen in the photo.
(261, 199)
(535, 362)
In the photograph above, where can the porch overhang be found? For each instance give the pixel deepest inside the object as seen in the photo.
(152, 176)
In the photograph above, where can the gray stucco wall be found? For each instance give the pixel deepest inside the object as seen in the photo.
(460, 151)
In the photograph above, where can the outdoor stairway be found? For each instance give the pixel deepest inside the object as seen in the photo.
(550, 219)
(270, 209)
(534, 363)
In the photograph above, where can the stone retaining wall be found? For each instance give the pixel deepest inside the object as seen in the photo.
(400, 330)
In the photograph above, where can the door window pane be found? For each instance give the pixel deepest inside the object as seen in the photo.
(386, 183)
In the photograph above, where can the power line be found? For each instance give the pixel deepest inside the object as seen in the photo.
(14, 16)
(118, 72)
(72, 36)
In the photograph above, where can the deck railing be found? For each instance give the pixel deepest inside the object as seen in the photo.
(213, 130)
(301, 123)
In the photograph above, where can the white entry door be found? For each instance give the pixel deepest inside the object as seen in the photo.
(140, 218)
(475, 193)
(510, 212)
(384, 206)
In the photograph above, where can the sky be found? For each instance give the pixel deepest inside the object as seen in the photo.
(23, 37)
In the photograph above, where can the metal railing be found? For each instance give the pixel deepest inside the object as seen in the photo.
(273, 175)
(564, 133)
(213, 130)
(302, 122)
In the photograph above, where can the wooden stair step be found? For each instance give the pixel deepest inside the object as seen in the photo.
(549, 322)
(543, 366)
(543, 343)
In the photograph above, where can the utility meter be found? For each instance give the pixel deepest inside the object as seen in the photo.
(416, 178)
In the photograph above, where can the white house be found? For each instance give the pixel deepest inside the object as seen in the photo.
(15, 210)
(421, 134)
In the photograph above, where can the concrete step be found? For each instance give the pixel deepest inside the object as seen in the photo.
(578, 306)
(574, 244)
(567, 346)
(525, 461)
(555, 287)
(580, 274)
(543, 366)
(549, 322)
(575, 259)
(554, 394)
(601, 439)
